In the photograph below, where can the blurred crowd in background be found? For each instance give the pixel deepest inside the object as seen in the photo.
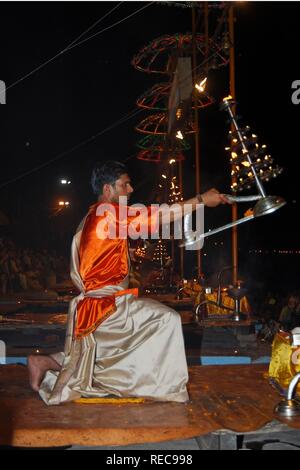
(26, 269)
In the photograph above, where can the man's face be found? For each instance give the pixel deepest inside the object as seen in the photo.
(293, 302)
(122, 187)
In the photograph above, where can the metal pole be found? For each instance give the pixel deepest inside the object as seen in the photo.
(234, 235)
(257, 180)
(206, 33)
(181, 248)
(172, 236)
(197, 139)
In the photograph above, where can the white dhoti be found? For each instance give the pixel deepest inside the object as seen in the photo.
(138, 351)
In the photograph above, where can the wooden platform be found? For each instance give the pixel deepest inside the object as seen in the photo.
(233, 398)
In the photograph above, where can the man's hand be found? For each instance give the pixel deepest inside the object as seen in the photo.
(132, 254)
(213, 198)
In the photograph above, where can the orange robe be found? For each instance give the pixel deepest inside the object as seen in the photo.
(104, 261)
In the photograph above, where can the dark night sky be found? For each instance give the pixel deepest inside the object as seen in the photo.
(94, 85)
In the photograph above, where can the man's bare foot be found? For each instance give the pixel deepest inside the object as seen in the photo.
(37, 367)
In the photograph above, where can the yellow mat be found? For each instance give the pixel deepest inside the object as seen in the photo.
(114, 401)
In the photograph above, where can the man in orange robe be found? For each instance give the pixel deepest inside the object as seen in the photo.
(116, 343)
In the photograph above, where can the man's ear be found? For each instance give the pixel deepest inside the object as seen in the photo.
(107, 189)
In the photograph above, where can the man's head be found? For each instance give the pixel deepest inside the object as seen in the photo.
(293, 301)
(110, 181)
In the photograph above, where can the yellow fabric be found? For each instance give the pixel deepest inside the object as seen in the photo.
(114, 401)
(225, 300)
(282, 366)
(192, 289)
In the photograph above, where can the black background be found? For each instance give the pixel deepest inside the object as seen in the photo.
(94, 85)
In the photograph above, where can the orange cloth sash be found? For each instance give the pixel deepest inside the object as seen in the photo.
(92, 311)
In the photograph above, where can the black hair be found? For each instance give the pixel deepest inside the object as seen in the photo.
(106, 173)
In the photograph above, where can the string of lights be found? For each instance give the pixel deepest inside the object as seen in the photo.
(151, 98)
(178, 4)
(160, 143)
(214, 5)
(157, 124)
(157, 57)
(146, 60)
(241, 171)
(151, 59)
(160, 254)
(170, 186)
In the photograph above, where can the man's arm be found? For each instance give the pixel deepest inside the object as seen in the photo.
(211, 198)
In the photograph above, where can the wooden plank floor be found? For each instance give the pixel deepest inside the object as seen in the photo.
(237, 398)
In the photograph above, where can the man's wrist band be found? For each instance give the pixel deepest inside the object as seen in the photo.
(199, 198)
